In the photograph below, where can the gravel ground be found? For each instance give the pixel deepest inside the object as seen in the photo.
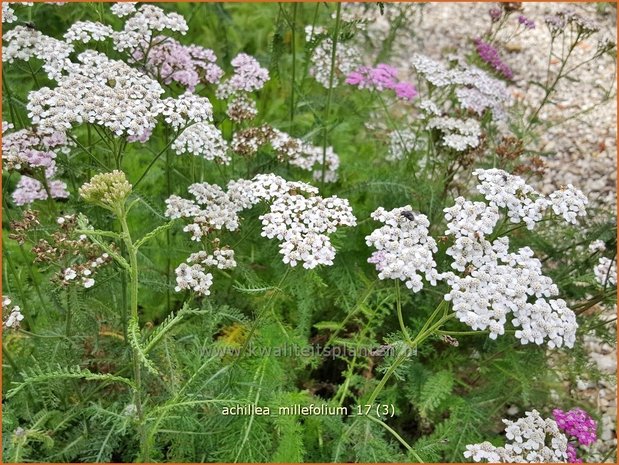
(582, 141)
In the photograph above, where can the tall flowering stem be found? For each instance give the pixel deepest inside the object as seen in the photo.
(551, 88)
(110, 191)
(132, 252)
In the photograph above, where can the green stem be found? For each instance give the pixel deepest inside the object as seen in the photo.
(395, 435)
(9, 95)
(133, 292)
(168, 275)
(334, 41)
(150, 165)
(399, 310)
(427, 330)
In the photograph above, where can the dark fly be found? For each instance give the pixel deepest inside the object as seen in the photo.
(408, 215)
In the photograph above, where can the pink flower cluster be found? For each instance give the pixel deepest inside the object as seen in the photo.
(491, 56)
(185, 64)
(380, 78)
(572, 454)
(577, 424)
(28, 151)
(28, 190)
(248, 77)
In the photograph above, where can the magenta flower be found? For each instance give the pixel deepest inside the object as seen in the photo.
(405, 91)
(384, 77)
(577, 423)
(359, 78)
(572, 454)
(491, 56)
(380, 78)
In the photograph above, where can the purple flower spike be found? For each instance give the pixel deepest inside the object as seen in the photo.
(491, 56)
(577, 423)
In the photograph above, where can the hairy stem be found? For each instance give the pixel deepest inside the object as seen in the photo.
(132, 251)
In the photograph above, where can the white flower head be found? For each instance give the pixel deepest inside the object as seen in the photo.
(531, 439)
(404, 247)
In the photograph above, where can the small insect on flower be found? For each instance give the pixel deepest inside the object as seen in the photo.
(409, 215)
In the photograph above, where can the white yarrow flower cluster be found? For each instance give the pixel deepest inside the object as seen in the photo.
(13, 314)
(122, 9)
(185, 109)
(99, 91)
(8, 14)
(203, 140)
(458, 134)
(194, 278)
(470, 219)
(212, 209)
(401, 143)
(143, 25)
(347, 60)
(263, 188)
(569, 202)
(523, 203)
(193, 275)
(597, 246)
(404, 247)
(495, 282)
(297, 217)
(86, 31)
(24, 43)
(303, 225)
(606, 271)
(435, 72)
(475, 90)
(222, 259)
(531, 439)
(489, 283)
(478, 91)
